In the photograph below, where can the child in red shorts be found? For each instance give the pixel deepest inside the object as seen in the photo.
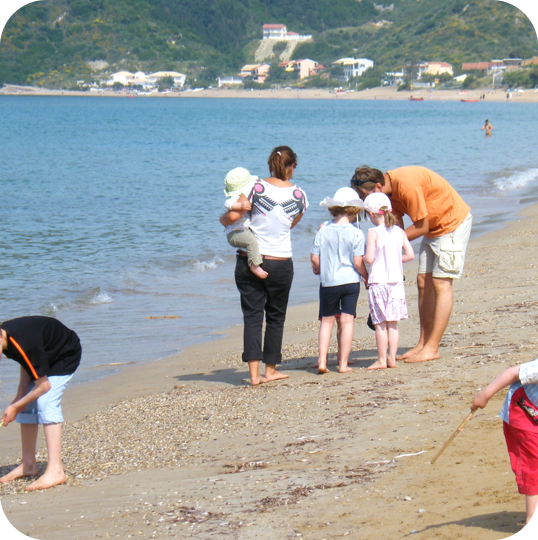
(520, 423)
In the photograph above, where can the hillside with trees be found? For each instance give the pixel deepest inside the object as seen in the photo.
(54, 43)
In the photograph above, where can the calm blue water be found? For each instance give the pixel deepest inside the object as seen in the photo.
(110, 206)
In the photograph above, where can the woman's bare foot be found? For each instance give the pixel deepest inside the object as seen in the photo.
(258, 271)
(378, 365)
(47, 481)
(410, 352)
(344, 369)
(22, 471)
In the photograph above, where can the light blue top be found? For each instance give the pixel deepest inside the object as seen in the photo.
(336, 246)
(528, 377)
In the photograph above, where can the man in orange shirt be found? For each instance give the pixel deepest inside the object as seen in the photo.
(444, 221)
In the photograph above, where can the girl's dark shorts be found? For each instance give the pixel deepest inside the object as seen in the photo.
(333, 301)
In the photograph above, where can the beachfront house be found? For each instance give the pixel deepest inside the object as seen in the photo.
(256, 72)
(229, 81)
(179, 78)
(354, 67)
(305, 67)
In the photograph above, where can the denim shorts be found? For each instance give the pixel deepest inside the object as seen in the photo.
(47, 409)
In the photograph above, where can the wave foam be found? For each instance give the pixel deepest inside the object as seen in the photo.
(202, 266)
(516, 180)
(100, 298)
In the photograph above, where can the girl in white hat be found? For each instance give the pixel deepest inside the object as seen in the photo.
(337, 257)
(386, 292)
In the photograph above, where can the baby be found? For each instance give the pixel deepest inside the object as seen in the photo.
(238, 234)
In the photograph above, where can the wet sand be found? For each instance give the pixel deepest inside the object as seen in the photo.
(185, 448)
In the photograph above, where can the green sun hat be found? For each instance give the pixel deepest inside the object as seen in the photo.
(236, 180)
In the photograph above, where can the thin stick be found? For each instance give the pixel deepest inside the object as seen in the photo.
(453, 436)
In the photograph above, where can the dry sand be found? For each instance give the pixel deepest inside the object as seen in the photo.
(185, 448)
(383, 93)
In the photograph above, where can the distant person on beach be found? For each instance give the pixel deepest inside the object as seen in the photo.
(238, 233)
(488, 128)
(48, 353)
(386, 291)
(441, 216)
(277, 206)
(337, 257)
(520, 425)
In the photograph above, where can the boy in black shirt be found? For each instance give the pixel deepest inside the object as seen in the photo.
(48, 353)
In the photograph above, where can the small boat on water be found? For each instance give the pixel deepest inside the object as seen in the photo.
(416, 98)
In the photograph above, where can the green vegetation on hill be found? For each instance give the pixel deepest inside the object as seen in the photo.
(51, 42)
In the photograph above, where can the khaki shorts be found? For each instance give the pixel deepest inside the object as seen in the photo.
(444, 257)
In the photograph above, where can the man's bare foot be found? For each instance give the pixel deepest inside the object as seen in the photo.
(346, 369)
(322, 370)
(258, 271)
(424, 355)
(275, 376)
(47, 481)
(410, 352)
(22, 471)
(378, 365)
(258, 380)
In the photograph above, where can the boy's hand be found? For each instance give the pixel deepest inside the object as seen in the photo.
(9, 415)
(480, 400)
(245, 205)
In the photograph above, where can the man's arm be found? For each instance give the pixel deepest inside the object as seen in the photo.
(418, 229)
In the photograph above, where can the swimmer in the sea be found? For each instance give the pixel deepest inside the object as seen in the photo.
(488, 127)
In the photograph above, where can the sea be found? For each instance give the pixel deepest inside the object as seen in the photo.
(110, 206)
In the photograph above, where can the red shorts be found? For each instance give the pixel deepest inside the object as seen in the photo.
(523, 452)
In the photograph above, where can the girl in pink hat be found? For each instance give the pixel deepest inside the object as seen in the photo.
(386, 291)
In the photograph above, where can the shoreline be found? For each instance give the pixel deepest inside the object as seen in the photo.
(380, 93)
(286, 440)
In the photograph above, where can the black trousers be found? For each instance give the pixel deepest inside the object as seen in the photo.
(261, 297)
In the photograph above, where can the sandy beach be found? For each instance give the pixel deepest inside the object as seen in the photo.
(383, 93)
(185, 448)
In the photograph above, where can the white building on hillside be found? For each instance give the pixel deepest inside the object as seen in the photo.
(354, 67)
(179, 78)
(280, 33)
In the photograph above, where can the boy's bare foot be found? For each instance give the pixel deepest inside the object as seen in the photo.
(410, 352)
(349, 363)
(275, 376)
(378, 365)
(47, 481)
(322, 370)
(22, 471)
(424, 355)
(392, 364)
(258, 271)
(258, 380)
(346, 369)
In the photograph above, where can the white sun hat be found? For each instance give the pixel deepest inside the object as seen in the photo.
(345, 196)
(375, 201)
(236, 180)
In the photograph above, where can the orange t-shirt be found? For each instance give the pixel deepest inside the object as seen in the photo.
(419, 193)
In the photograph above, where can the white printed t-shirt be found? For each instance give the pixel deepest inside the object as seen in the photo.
(273, 211)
